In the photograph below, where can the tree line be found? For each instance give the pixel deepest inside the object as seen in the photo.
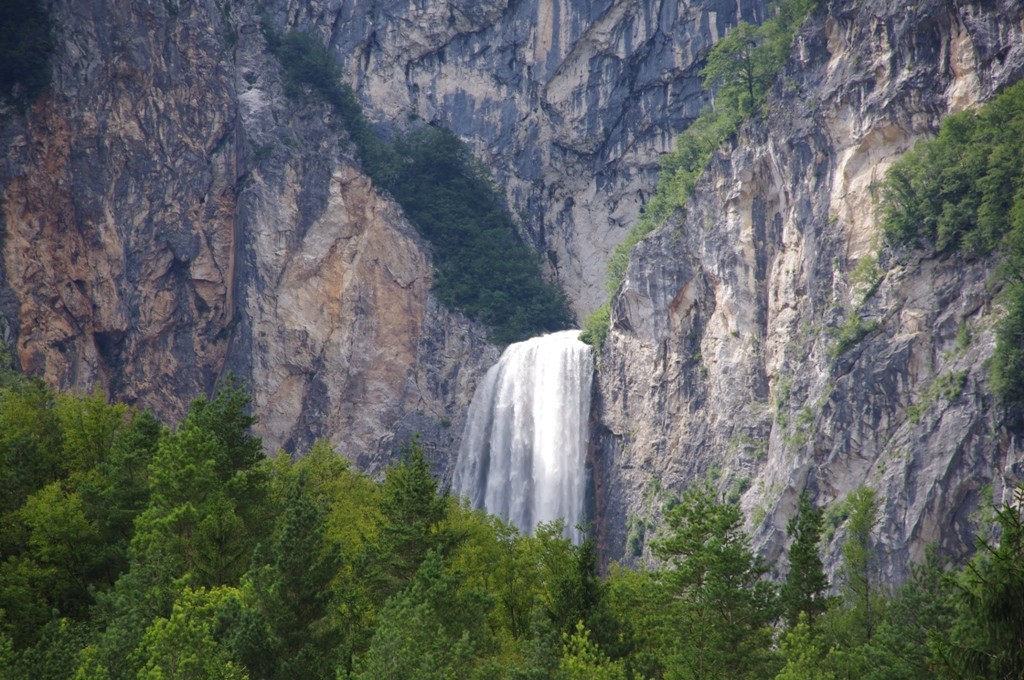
(129, 549)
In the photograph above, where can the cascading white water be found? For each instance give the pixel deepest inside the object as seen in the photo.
(524, 448)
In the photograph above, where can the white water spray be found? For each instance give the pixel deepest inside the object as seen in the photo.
(524, 448)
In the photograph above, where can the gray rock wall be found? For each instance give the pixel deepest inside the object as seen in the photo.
(169, 215)
(568, 102)
(722, 362)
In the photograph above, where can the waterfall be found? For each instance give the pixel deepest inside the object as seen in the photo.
(524, 447)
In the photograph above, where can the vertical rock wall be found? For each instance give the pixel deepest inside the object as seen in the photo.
(169, 215)
(724, 358)
(569, 103)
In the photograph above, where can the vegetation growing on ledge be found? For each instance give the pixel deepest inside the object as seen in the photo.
(740, 70)
(26, 44)
(131, 550)
(964, 192)
(482, 266)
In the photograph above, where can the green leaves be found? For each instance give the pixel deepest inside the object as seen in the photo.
(483, 268)
(803, 594)
(183, 645)
(312, 570)
(720, 602)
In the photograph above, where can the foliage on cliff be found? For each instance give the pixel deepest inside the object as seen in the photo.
(26, 43)
(964, 192)
(131, 550)
(739, 71)
(483, 267)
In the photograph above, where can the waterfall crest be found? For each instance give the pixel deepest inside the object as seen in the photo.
(524, 447)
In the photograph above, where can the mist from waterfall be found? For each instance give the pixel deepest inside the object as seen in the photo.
(523, 453)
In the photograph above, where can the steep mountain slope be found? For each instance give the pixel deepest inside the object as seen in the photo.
(169, 215)
(569, 102)
(757, 340)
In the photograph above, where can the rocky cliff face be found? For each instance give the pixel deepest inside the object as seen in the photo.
(749, 346)
(569, 102)
(169, 215)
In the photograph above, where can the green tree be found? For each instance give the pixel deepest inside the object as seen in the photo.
(722, 606)
(183, 646)
(915, 624)
(54, 655)
(412, 524)
(200, 525)
(805, 587)
(1008, 358)
(734, 69)
(987, 638)
(584, 660)
(289, 633)
(860, 567)
(432, 629)
(30, 442)
(803, 651)
(482, 266)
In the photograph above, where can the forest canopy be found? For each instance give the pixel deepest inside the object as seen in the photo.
(130, 549)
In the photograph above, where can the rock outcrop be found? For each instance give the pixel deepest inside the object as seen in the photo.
(169, 216)
(755, 342)
(569, 102)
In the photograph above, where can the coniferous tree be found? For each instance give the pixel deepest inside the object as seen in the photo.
(804, 590)
(721, 606)
(411, 526)
(987, 639)
(432, 629)
(289, 632)
(860, 564)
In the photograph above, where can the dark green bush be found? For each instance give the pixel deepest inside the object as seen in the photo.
(308, 64)
(26, 43)
(483, 268)
(955, 192)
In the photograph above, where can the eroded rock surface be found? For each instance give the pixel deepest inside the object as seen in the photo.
(724, 360)
(568, 103)
(170, 215)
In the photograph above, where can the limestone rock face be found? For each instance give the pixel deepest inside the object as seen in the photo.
(724, 359)
(169, 215)
(569, 103)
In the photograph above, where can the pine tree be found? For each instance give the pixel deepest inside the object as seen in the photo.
(860, 569)
(290, 621)
(412, 523)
